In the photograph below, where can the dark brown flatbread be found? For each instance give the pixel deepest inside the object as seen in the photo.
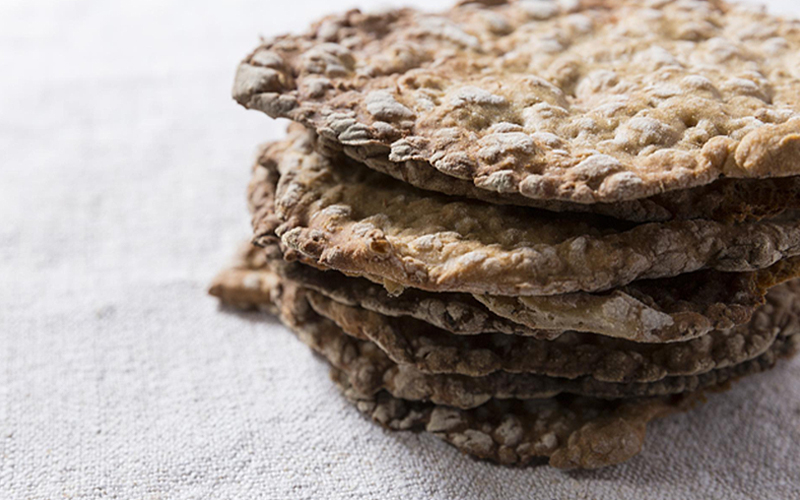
(371, 370)
(433, 350)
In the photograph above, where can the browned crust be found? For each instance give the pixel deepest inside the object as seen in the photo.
(572, 431)
(569, 432)
(610, 102)
(371, 370)
(363, 223)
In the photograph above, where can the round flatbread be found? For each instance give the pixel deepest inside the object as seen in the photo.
(361, 222)
(591, 101)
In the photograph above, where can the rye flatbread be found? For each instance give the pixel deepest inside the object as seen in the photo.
(432, 350)
(572, 431)
(371, 370)
(726, 200)
(457, 313)
(651, 311)
(585, 101)
(364, 223)
(657, 311)
(660, 310)
(573, 355)
(568, 431)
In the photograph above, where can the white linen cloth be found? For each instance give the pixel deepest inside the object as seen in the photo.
(123, 165)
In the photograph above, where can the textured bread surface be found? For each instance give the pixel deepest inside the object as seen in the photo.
(361, 222)
(586, 101)
(570, 431)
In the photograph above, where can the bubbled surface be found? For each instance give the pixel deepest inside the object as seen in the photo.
(582, 101)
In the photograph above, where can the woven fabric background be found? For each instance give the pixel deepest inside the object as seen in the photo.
(123, 164)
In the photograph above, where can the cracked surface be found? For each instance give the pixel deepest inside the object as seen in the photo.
(586, 101)
(364, 223)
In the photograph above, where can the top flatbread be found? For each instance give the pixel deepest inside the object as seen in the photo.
(585, 101)
(364, 223)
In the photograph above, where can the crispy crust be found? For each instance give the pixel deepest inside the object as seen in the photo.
(570, 432)
(363, 223)
(725, 200)
(371, 370)
(604, 102)
(434, 350)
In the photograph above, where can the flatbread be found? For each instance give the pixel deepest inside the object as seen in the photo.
(434, 350)
(726, 200)
(457, 313)
(363, 223)
(587, 101)
(371, 370)
(660, 310)
(573, 355)
(696, 303)
(569, 432)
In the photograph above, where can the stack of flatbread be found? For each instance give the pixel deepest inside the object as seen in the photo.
(530, 227)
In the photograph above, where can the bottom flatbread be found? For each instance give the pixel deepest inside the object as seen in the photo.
(571, 431)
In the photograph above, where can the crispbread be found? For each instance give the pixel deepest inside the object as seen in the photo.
(251, 280)
(455, 312)
(697, 303)
(364, 223)
(371, 370)
(590, 101)
(660, 310)
(726, 200)
(573, 355)
(572, 432)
